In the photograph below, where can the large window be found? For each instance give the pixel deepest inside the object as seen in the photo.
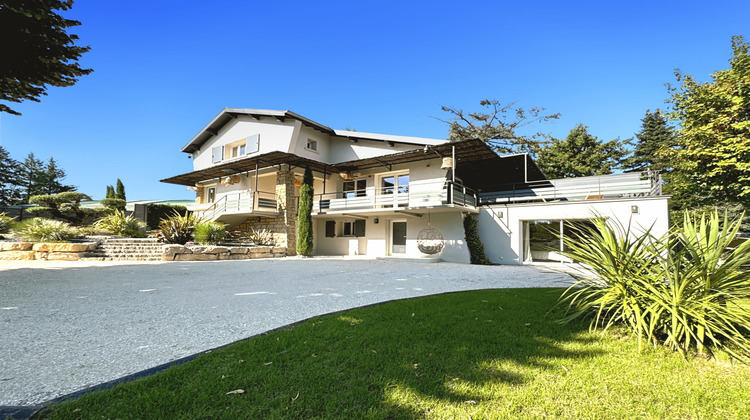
(356, 188)
(395, 183)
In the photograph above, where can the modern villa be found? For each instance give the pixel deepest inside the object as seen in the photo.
(383, 195)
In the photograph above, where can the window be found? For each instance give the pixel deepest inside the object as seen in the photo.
(356, 188)
(330, 229)
(395, 183)
(355, 228)
(312, 145)
(211, 195)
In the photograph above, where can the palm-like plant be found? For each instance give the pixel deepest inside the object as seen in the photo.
(685, 289)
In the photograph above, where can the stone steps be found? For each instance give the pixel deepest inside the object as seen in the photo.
(127, 249)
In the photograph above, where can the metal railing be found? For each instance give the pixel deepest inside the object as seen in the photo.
(241, 202)
(416, 194)
(635, 184)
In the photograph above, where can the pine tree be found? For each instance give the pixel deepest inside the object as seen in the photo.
(32, 172)
(111, 192)
(51, 179)
(10, 179)
(120, 190)
(655, 135)
(304, 218)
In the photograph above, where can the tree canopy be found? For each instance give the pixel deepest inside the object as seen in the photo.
(10, 179)
(37, 51)
(711, 155)
(581, 154)
(655, 135)
(499, 127)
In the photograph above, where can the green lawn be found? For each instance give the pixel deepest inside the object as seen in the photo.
(483, 354)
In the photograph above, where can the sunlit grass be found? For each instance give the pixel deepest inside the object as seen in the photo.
(483, 354)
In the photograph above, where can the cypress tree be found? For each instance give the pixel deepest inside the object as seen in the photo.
(110, 192)
(304, 218)
(120, 190)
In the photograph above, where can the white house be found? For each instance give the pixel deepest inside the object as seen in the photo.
(384, 195)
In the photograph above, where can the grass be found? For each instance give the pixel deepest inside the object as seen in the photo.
(482, 354)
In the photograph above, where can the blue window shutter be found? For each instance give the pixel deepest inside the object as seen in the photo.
(253, 144)
(217, 153)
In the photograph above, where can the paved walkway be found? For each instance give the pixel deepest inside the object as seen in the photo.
(68, 326)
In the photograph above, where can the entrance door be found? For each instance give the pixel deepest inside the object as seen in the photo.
(398, 238)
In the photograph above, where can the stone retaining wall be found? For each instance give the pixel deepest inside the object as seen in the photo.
(20, 251)
(212, 253)
(45, 251)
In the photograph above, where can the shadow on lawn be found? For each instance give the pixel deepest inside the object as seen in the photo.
(457, 347)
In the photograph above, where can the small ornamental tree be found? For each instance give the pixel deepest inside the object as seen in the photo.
(476, 248)
(65, 206)
(304, 218)
(111, 192)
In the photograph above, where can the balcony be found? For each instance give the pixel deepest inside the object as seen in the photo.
(242, 204)
(415, 195)
(629, 185)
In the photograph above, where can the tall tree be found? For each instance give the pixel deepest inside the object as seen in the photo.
(655, 135)
(304, 215)
(111, 192)
(36, 49)
(10, 179)
(32, 172)
(120, 190)
(50, 180)
(581, 154)
(499, 127)
(711, 156)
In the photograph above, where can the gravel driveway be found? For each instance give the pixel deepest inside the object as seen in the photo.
(64, 329)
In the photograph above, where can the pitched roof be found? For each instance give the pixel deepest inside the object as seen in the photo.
(228, 114)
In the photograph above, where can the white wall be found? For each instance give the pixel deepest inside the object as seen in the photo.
(343, 150)
(501, 235)
(274, 136)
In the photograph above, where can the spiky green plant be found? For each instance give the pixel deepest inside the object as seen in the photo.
(209, 233)
(685, 290)
(262, 237)
(40, 229)
(5, 223)
(119, 223)
(178, 228)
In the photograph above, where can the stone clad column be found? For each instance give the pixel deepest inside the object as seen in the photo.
(287, 205)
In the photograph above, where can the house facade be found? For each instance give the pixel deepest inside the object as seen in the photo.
(381, 195)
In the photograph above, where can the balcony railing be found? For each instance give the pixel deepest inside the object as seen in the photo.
(243, 202)
(415, 194)
(635, 184)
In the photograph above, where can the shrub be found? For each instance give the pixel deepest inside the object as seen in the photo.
(685, 290)
(121, 224)
(263, 237)
(178, 228)
(209, 233)
(5, 223)
(40, 229)
(476, 248)
(158, 212)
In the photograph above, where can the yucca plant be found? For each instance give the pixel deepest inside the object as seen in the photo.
(119, 223)
(621, 261)
(178, 228)
(5, 223)
(209, 233)
(40, 229)
(262, 237)
(685, 290)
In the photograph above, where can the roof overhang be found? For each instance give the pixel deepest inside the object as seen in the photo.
(250, 163)
(228, 114)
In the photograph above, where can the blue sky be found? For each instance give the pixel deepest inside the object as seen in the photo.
(164, 69)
